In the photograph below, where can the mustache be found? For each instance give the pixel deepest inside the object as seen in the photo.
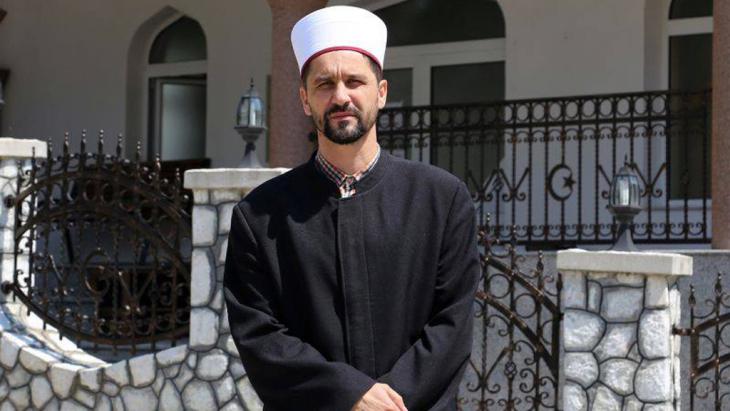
(346, 108)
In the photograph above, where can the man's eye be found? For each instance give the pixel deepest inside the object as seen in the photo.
(324, 84)
(354, 82)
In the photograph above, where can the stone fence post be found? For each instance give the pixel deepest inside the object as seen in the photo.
(215, 193)
(618, 351)
(12, 150)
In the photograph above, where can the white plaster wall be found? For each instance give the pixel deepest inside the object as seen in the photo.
(68, 63)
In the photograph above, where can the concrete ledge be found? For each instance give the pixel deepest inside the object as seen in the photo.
(624, 262)
(230, 178)
(22, 148)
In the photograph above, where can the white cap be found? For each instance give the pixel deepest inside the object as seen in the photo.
(339, 28)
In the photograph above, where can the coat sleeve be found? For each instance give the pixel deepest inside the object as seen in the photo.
(427, 375)
(285, 371)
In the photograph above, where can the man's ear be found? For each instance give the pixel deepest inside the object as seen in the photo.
(305, 100)
(382, 93)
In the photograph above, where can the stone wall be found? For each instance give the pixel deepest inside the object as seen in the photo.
(618, 349)
(38, 370)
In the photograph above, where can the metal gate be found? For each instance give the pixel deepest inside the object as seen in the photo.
(514, 360)
(102, 248)
(709, 348)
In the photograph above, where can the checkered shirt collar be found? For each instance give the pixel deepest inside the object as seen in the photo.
(341, 179)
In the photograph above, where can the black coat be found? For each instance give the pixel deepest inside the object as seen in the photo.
(327, 295)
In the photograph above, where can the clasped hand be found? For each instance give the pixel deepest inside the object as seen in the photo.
(380, 397)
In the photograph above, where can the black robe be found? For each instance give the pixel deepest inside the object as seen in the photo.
(328, 295)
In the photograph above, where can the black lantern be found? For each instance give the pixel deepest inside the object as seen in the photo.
(250, 125)
(624, 202)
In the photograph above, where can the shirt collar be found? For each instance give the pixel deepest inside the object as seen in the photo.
(338, 176)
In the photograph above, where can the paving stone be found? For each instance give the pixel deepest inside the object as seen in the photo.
(90, 378)
(4, 390)
(581, 368)
(117, 373)
(40, 391)
(616, 342)
(224, 325)
(655, 331)
(199, 396)
(225, 389)
(618, 375)
(203, 329)
(594, 297)
(233, 406)
(191, 360)
(18, 377)
(71, 405)
(212, 366)
(248, 396)
(653, 381)
(631, 403)
(203, 280)
(63, 378)
(225, 211)
(657, 292)
(103, 404)
(667, 406)
(222, 250)
(35, 361)
(217, 302)
(54, 405)
(110, 389)
(206, 225)
(159, 382)
(7, 406)
(139, 399)
(229, 346)
(10, 346)
(143, 370)
(169, 398)
(85, 398)
(183, 377)
(236, 369)
(20, 397)
(622, 304)
(171, 371)
(606, 400)
(171, 356)
(118, 404)
(574, 290)
(581, 330)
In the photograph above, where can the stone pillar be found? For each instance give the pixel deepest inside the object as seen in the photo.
(215, 193)
(617, 347)
(13, 150)
(721, 125)
(289, 126)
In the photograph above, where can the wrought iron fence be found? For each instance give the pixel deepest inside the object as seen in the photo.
(709, 347)
(544, 165)
(102, 248)
(514, 359)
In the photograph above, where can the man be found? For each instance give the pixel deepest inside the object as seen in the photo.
(349, 280)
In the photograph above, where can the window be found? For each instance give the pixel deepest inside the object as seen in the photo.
(177, 92)
(425, 21)
(690, 75)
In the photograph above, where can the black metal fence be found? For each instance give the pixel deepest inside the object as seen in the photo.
(102, 248)
(514, 359)
(544, 165)
(708, 335)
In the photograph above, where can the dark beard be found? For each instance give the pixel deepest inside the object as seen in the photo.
(343, 135)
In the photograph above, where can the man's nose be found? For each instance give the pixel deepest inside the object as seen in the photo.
(341, 95)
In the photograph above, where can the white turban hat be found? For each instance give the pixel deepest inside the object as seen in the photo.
(339, 28)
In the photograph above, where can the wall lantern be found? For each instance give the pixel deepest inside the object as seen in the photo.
(250, 125)
(624, 202)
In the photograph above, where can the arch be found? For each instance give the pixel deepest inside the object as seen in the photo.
(684, 9)
(480, 19)
(167, 45)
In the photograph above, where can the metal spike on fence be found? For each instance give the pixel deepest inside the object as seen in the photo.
(119, 146)
(692, 300)
(718, 284)
(83, 144)
(65, 143)
(138, 151)
(100, 144)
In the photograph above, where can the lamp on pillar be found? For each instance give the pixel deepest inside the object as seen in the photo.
(250, 125)
(624, 202)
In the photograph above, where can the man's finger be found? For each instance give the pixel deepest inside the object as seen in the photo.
(397, 399)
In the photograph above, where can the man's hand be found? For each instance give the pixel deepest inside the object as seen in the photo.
(380, 398)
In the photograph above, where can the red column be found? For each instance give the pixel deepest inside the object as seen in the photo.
(721, 126)
(289, 127)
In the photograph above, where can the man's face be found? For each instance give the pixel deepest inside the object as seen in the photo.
(342, 95)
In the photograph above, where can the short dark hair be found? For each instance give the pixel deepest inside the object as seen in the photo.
(374, 66)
